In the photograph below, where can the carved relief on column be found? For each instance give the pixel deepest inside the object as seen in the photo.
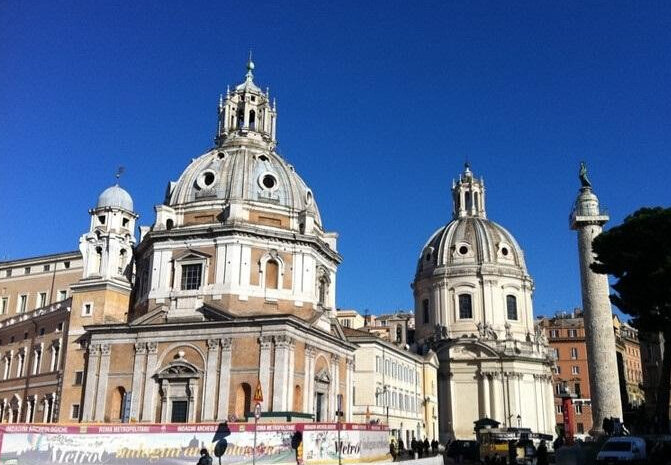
(152, 347)
(212, 345)
(224, 378)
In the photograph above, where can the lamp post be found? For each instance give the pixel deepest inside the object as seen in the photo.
(519, 421)
(386, 401)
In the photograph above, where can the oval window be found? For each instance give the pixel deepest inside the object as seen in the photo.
(463, 250)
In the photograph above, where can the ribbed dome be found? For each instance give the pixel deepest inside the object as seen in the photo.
(115, 196)
(243, 174)
(471, 241)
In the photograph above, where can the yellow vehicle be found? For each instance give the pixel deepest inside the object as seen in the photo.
(509, 443)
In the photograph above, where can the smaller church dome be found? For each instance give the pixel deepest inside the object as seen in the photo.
(115, 196)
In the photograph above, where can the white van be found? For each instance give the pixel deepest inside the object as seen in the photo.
(629, 449)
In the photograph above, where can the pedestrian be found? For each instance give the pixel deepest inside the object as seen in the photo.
(434, 446)
(413, 447)
(542, 454)
(392, 450)
(401, 447)
(205, 458)
(426, 446)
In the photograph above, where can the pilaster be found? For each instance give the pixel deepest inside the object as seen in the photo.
(149, 384)
(210, 379)
(101, 395)
(138, 376)
(224, 378)
(91, 382)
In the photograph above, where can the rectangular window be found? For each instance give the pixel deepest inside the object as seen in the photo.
(66, 264)
(558, 389)
(575, 370)
(74, 413)
(465, 306)
(8, 273)
(556, 369)
(62, 295)
(79, 378)
(576, 389)
(41, 299)
(556, 352)
(511, 306)
(46, 267)
(179, 410)
(574, 353)
(572, 333)
(3, 305)
(60, 326)
(21, 304)
(558, 409)
(87, 309)
(425, 310)
(191, 275)
(578, 408)
(580, 428)
(26, 270)
(554, 333)
(42, 331)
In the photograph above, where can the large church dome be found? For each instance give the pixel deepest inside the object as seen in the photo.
(247, 174)
(471, 273)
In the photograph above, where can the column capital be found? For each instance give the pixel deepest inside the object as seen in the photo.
(140, 348)
(310, 350)
(266, 342)
(226, 343)
(212, 345)
(94, 349)
(283, 341)
(152, 347)
(105, 349)
(335, 358)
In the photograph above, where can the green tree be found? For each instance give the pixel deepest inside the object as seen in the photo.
(638, 254)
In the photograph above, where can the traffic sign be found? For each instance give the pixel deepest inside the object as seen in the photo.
(258, 393)
(257, 411)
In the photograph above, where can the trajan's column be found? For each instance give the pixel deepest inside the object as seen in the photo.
(588, 219)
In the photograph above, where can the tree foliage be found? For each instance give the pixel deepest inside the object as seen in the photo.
(638, 254)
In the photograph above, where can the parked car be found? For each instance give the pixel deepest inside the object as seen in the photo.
(629, 449)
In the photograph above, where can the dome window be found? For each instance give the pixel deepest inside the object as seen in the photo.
(504, 251)
(308, 197)
(206, 179)
(268, 181)
(263, 158)
(463, 250)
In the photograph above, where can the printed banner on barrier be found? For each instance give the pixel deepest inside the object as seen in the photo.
(125, 444)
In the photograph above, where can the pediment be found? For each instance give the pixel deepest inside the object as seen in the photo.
(153, 317)
(191, 254)
(179, 369)
(323, 376)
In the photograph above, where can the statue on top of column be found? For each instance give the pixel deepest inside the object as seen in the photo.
(582, 174)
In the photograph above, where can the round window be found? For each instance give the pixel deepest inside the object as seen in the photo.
(504, 252)
(308, 198)
(206, 179)
(268, 181)
(463, 250)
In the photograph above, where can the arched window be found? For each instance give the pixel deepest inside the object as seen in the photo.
(465, 306)
(123, 255)
(241, 118)
(169, 224)
(469, 201)
(399, 333)
(272, 274)
(99, 260)
(511, 307)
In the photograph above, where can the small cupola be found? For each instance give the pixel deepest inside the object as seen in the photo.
(247, 112)
(468, 195)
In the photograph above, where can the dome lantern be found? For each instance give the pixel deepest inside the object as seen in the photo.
(246, 114)
(468, 195)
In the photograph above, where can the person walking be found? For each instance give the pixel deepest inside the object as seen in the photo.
(205, 458)
(542, 454)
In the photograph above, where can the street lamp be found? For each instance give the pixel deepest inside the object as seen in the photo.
(519, 421)
(386, 401)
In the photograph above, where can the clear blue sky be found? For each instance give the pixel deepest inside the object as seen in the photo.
(379, 105)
